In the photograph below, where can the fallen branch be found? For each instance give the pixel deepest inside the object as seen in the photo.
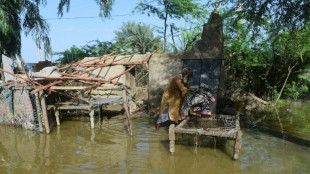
(258, 99)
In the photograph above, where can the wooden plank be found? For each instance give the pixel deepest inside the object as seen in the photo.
(183, 123)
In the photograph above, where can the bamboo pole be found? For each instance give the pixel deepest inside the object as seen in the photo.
(20, 77)
(44, 112)
(115, 63)
(46, 86)
(79, 78)
(97, 67)
(112, 78)
(80, 62)
(91, 87)
(127, 111)
(99, 83)
(15, 75)
(9, 83)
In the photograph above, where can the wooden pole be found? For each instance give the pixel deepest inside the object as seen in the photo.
(172, 138)
(82, 62)
(79, 78)
(56, 111)
(127, 111)
(46, 86)
(97, 67)
(91, 115)
(39, 112)
(115, 63)
(238, 144)
(44, 112)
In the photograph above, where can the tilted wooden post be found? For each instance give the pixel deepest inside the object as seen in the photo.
(172, 138)
(56, 111)
(127, 111)
(39, 112)
(44, 113)
(91, 115)
(238, 144)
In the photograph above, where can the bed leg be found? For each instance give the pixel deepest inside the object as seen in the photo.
(172, 138)
(237, 145)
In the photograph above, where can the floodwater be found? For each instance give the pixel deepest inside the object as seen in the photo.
(271, 144)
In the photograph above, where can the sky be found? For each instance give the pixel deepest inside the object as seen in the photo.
(65, 33)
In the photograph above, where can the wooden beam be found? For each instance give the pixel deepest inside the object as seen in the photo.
(83, 87)
(46, 86)
(79, 78)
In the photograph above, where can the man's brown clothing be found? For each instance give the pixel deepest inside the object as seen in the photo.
(173, 97)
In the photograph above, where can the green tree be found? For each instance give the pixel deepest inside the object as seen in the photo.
(94, 48)
(73, 54)
(105, 7)
(19, 15)
(138, 36)
(10, 27)
(266, 45)
(165, 9)
(24, 15)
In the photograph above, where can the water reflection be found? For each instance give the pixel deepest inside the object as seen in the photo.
(75, 148)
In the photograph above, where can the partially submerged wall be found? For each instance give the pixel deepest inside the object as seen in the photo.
(16, 108)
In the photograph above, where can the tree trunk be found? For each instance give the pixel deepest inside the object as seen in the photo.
(175, 47)
(165, 32)
(38, 41)
(217, 3)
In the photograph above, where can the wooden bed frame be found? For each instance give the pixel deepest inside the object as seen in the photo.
(233, 132)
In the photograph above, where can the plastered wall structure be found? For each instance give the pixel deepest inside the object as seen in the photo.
(163, 67)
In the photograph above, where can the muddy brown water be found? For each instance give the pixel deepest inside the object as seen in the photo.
(73, 147)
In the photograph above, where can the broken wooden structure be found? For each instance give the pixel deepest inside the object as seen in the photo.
(78, 81)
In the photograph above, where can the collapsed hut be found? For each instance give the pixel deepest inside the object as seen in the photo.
(86, 85)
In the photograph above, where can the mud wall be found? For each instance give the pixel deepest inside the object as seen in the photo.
(163, 67)
(20, 113)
